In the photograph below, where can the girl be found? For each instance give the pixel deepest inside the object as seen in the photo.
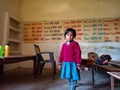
(70, 59)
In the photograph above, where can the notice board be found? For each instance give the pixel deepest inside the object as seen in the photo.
(88, 30)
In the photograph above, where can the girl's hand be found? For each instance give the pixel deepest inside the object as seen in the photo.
(79, 68)
(59, 67)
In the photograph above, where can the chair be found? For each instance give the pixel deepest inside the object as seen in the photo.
(41, 61)
(37, 48)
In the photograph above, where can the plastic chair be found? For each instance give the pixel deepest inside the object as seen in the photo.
(41, 61)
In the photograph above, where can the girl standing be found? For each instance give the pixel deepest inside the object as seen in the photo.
(70, 59)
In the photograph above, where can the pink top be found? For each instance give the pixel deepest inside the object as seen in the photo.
(70, 53)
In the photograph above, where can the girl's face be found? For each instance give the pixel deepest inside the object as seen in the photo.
(69, 36)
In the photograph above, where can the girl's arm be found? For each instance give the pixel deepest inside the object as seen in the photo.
(78, 55)
(61, 57)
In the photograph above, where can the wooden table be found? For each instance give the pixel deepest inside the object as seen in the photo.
(108, 68)
(105, 68)
(16, 59)
(113, 75)
(114, 63)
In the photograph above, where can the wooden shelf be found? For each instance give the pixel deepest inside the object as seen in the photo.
(15, 29)
(12, 34)
(14, 40)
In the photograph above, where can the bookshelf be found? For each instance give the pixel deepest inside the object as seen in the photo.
(12, 34)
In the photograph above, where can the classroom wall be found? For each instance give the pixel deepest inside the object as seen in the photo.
(14, 8)
(69, 10)
(11, 6)
(37, 10)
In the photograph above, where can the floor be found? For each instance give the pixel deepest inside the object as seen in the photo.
(22, 79)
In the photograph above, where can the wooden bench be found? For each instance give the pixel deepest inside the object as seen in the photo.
(103, 67)
(108, 68)
(16, 59)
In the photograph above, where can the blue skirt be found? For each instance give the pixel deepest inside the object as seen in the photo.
(70, 71)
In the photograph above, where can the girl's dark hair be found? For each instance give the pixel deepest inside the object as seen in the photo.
(70, 30)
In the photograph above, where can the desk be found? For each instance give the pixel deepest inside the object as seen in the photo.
(113, 75)
(114, 63)
(15, 59)
(106, 68)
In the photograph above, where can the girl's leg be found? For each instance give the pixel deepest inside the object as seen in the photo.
(72, 84)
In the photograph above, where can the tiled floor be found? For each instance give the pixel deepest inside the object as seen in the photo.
(22, 79)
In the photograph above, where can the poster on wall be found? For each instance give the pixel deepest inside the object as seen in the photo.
(112, 30)
(93, 30)
(88, 30)
(46, 31)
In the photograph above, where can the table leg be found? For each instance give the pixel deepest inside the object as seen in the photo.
(93, 81)
(112, 83)
(1, 68)
(34, 67)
